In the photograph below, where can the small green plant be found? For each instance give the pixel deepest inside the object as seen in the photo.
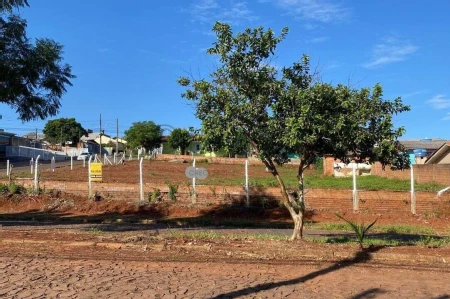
(4, 188)
(359, 228)
(156, 195)
(95, 230)
(17, 189)
(173, 191)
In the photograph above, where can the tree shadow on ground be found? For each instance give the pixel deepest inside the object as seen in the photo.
(362, 256)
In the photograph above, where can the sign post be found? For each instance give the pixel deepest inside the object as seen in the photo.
(195, 173)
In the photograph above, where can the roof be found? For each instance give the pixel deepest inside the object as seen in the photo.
(429, 144)
(32, 135)
(2, 132)
(106, 139)
(439, 154)
(92, 136)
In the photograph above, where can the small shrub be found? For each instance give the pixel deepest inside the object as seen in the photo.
(156, 195)
(173, 191)
(17, 189)
(4, 189)
(359, 229)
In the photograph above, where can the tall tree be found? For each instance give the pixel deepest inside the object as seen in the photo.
(180, 139)
(145, 134)
(62, 130)
(33, 77)
(286, 112)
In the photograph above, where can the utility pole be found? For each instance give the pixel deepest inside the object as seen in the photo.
(117, 136)
(100, 135)
(61, 138)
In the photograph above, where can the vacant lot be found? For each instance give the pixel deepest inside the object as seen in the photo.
(162, 172)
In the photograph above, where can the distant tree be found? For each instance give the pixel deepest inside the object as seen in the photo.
(63, 130)
(180, 139)
(33, 77)
(282, 112)
(144, 134)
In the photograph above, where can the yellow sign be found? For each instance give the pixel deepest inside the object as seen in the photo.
(96, 172)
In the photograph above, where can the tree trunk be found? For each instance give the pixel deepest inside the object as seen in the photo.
(298, 227)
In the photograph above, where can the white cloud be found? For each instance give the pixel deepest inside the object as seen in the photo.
(206, 11)
(324, 11)
(319, 39)
(446, 117)
(439, 102)
(412, 94)
(391, 50)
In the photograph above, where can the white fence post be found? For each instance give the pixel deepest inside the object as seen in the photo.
(7, 167)
(36, 169)
(413, 195)
(71, 162)
(84, 161)
(246, 183)
(89, 177)
(31, 165)
(52, 164)
(141, 184)
(355, 191)
(194, 195)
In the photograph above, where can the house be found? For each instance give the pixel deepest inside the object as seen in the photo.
(5, 140)
(92, 143)
(420, 149)
(441, 155)
(194, 147)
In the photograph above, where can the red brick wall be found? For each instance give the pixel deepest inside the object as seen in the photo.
(423, 173)
(316, 199)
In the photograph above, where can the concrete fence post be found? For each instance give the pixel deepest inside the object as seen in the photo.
(413, 195)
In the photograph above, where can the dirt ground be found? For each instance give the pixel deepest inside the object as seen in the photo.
(96, 256)
(92, 261)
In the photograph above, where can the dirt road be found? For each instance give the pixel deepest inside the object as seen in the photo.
(46, 277)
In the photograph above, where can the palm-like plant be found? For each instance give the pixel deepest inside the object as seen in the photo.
(359, 228)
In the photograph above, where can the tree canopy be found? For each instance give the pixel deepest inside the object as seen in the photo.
(180, 139)
(285, 111)
(145, 134)
(63, 130)
(33, 77)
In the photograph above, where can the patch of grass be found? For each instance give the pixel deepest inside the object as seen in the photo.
(200, 235)
(405, 229)
(429, 241)
(270, 237)
(389, 229)
(95, 230)
(316, 180)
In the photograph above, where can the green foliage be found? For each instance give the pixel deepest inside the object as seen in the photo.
(32, 75)
(281, 112)
(17, 189)
(359, 228)
(173, 191)
(4, 189)
(318, 164)
(156, 195)
(62, 130)
(144, 134)
(180, 138)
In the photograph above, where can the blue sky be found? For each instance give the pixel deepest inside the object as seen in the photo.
(128, 55)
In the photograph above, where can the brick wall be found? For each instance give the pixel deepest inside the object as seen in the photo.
(423, 173)
(316, 199)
